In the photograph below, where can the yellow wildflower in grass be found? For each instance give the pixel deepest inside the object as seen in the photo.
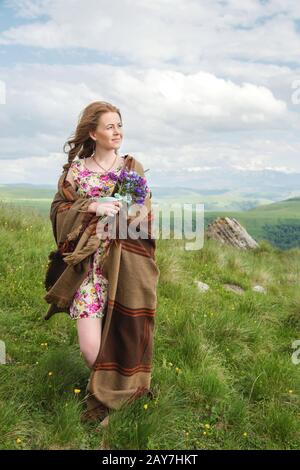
(178, 370)
(44, 344)
(50, 373)
(207, 426)
(245, 434)
(145, 406)
(291, 391)
(204, 433)
(18, 440)
(77, 390)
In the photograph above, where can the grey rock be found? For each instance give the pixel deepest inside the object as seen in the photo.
(202, 286)
(234, 288)
(228, 230)
(259, 289)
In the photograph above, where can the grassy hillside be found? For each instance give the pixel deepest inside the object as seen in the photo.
(28, 196)
(222, 373)
(287, 208)
(232, 198)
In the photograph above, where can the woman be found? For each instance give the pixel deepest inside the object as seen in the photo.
(107, 285)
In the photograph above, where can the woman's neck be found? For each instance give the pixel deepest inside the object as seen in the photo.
(106, 158)
(91, 165)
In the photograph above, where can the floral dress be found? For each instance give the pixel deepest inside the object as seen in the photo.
(91, 297)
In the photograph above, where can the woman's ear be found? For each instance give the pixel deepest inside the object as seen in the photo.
(91, 134)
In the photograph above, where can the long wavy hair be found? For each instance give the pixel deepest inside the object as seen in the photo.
(80, 142)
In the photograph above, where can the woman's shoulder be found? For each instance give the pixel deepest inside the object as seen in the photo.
(76, 165)
(135, 164)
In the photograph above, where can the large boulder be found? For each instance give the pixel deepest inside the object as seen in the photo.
(229, 231)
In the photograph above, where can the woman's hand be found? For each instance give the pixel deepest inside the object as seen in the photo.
(105, 208)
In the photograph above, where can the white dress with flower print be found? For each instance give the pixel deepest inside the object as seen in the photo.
(91, 297)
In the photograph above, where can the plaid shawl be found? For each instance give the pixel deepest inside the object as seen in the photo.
(122, 370)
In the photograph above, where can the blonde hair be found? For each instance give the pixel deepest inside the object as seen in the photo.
(81, 143)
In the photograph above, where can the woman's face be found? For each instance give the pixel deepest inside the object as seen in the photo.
(109, 132)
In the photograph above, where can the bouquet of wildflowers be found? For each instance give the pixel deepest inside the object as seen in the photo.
(130, 187)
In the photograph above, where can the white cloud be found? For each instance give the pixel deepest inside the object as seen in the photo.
(200, 85)
(33, 170)
(46, 104)
(150, 32)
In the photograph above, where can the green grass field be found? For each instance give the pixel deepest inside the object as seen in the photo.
(38, 198)
(222, 375)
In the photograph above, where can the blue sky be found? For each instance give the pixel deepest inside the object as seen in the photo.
(202, 86)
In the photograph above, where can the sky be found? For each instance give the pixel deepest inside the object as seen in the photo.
(202, 86)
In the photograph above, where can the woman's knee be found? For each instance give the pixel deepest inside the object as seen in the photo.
(89, 333)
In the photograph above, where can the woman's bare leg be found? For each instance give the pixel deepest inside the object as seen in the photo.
(89, 336)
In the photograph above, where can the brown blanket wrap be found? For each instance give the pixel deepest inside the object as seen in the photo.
(122, 370)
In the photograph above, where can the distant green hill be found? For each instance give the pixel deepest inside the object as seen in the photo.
(31, 196)
(278, 222)
(287, 208)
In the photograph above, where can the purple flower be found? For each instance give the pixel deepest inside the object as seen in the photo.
(113, 176)
(139, 191)
(130, 182)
